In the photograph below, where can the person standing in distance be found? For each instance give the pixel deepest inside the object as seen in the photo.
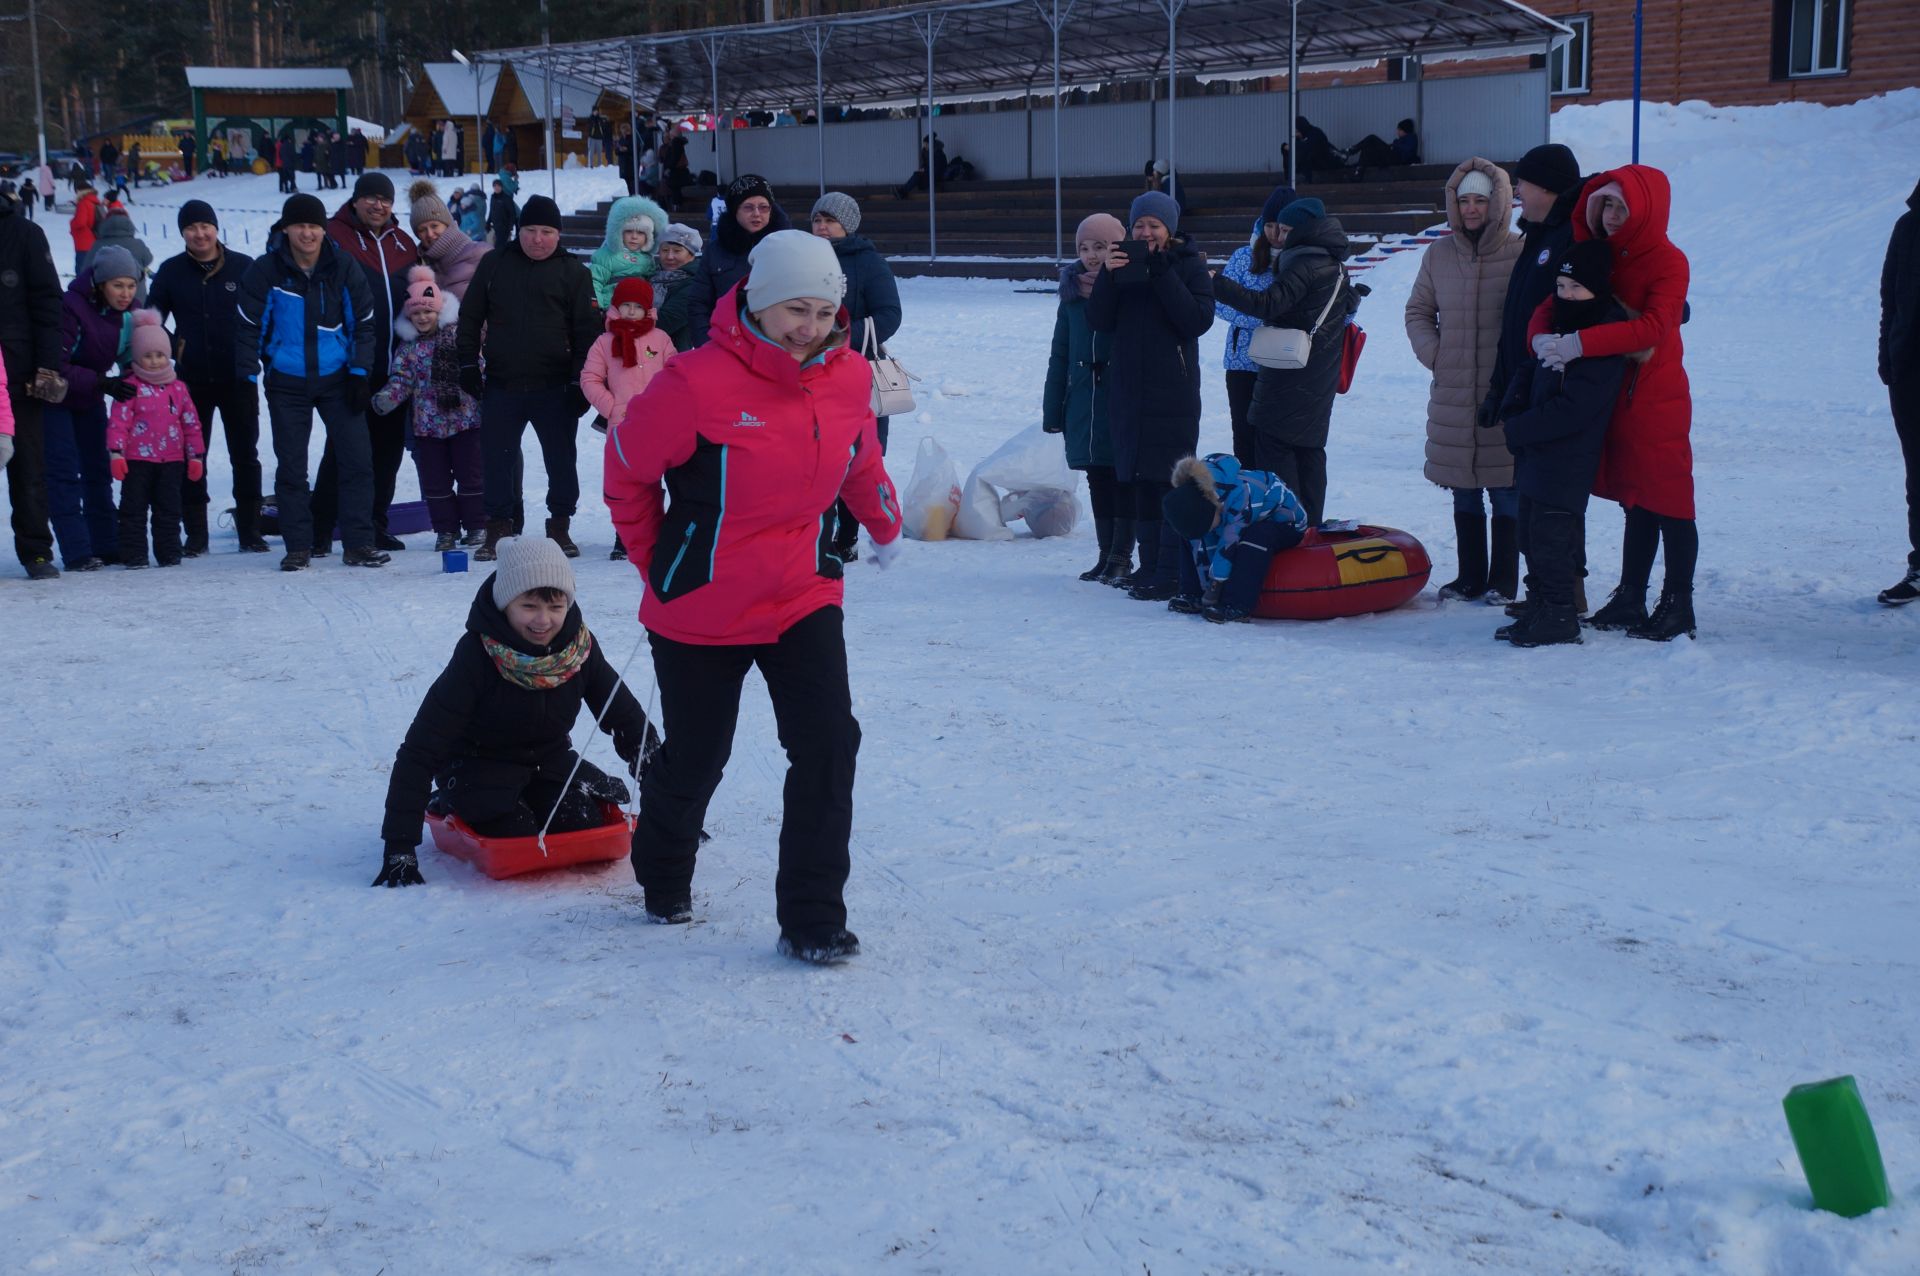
(199, 290)
(535, 306)
(1900, 373)
(306, 321)
(30, 309)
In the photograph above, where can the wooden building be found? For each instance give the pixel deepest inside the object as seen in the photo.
(243, 105)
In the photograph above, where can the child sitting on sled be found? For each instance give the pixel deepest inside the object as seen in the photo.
(493, 737)
(1233, 521)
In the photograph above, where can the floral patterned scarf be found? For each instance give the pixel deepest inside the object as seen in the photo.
(540, 673)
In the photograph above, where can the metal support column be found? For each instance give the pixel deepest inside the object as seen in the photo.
(633, 115)
(1056, 17)
(1639, 29)
(929, 28)
(715, 45)
(1293, 90)
(818, 37)
(546, 72)
(1172, 9)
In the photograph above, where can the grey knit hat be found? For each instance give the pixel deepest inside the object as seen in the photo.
(427, 206)
(530, 562)
(111, 261)
(685, 236)
(841, 207)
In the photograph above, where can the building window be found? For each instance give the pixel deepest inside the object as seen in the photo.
(1568, 65)
(1815, 36)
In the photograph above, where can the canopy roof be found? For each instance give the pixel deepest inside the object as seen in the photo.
(288, 79)
(994, 46)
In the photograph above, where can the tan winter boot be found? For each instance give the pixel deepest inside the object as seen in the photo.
(557, 533)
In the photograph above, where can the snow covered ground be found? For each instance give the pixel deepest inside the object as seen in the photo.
(1326, 949)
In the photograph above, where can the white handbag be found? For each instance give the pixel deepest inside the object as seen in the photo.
(892, 384)
(1291, 347)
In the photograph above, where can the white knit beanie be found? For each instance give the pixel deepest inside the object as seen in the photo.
(530, 562)
(1475, 183)
(793, 263)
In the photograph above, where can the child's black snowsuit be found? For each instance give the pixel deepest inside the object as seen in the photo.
(500, 751)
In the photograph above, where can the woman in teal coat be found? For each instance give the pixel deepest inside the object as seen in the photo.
(1076, 396)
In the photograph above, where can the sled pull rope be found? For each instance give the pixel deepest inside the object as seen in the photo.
(580, 755)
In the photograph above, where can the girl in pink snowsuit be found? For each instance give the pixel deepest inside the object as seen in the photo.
(154, 445)
(624, 358)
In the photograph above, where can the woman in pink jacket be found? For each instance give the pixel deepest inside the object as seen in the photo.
(722, 480)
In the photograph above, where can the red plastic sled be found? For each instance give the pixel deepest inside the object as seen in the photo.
(1332, 574)
(500, 857)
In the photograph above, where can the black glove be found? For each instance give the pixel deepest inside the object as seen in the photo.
(359, 392)
(577, 402)
(400, 868)
(1489, 415)
(1056, 427)
(470, 380)
(118, 389)
(1158, 264)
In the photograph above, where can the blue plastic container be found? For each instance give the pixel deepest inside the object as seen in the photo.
(453, 560)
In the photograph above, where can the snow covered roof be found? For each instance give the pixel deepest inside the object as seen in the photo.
(454, 85)
(287, 79)
(534, 78)
(987, 46)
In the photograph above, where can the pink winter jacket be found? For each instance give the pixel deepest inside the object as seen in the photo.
(157, 424)
(610, 384)
(6, 409)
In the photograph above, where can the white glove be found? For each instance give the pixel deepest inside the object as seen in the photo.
(1557, 351)
(884, 555)
(6, 449)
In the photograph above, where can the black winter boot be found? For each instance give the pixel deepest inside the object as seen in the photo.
(1103, 531)
(365, 556)
(1549, 625)
(246, 525)
(1471, 532)
(194, 521)
(1120, 555)
(824, 947)
(1671, 618)
(1503, 569)
(670, 912)
(1905, 592)
(1624, 610)
(557, 533)
(498, 529)
(1146, 539)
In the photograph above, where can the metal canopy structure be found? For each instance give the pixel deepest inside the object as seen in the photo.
(975, 48)
(996, 46)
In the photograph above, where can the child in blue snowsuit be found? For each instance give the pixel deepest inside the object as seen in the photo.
(1233, 521)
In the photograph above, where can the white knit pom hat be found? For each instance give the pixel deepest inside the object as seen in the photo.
(530, 562)
(793, 263)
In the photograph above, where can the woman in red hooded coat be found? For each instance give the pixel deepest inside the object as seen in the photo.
(723, 478)
(1648, 462)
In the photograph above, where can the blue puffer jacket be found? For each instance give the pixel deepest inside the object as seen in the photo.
(1245, 497)
(301, 326)
(1239, 268)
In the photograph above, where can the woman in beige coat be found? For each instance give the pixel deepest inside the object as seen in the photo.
(1453, 321)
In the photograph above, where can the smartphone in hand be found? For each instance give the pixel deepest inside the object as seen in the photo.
(1136, 267)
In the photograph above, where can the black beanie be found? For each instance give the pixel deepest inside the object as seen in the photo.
(197, 210)
(302, 210)
(745, 187)
(378, 185)
(1189, 511)
(1551, 166)
(540, 211)
(1590, 263)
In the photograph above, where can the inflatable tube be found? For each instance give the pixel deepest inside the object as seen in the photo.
(1332, 574)
(500, 857)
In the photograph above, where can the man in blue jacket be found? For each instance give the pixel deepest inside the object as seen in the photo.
(306, 318)
(199, 290)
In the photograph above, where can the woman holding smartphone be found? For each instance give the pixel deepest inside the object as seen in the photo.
(1156, 299)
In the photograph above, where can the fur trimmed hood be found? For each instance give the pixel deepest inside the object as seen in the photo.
(1196, 471)
(635, 207)
(405, 329)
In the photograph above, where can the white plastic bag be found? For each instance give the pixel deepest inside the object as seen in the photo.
(933, 494)
(1030, 463)
(1049, 512)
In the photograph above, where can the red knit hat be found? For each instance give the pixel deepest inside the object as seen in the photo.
(635, 290)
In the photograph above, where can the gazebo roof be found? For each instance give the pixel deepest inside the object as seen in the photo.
(288, 79)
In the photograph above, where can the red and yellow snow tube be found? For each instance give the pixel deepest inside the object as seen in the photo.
(1352, 573)
(500, 857)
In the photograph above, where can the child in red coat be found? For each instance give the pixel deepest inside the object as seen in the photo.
(154, 443)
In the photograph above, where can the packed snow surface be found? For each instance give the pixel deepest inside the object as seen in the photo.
(1346, 948)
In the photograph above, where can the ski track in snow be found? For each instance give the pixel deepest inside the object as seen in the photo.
(1330, 949)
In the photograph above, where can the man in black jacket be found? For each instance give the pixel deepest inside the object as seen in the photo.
(535, 303)
(199, 290)
(30, 339)
(306, 317)
(1900, 373)
(1547, 182)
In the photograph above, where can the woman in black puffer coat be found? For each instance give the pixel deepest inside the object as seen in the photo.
(751, 216)
(1154, 372)
(1293, 407)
